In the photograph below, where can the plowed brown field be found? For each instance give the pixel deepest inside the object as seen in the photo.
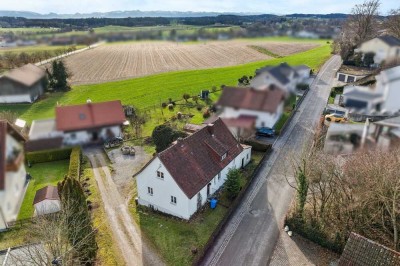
(128, 60)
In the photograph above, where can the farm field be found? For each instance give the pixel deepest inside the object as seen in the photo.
(137, 59)
(150, 91)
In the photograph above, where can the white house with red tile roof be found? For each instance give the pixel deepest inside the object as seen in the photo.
(179, 180)
(248, 106)
(12, 173)
(81, 124)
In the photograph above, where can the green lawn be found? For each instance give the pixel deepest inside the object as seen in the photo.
(175, 238)
(150, 91)
(43, 174)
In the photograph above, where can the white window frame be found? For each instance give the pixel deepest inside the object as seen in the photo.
(150, 191)
(173, 200)
(160, 175)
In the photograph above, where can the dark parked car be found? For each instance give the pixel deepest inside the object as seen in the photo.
(265, 132)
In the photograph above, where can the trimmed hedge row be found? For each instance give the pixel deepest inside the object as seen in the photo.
(75, 163)
(48, 156)
(257, 145)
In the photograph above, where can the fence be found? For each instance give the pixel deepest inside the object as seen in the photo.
(231, 211)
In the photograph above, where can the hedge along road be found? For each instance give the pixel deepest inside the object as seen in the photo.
(249, 238)
(151, 90)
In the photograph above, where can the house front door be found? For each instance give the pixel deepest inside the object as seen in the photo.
(208, 189)
(242, 162)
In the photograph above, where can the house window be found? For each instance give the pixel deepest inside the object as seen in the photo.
(247, 156)
(73, 136)
(223, 157)
(160, 174)
(173, 200)
(150, 191)
(219, 176)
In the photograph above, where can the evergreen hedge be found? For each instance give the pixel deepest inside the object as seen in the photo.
(48, 156)
(75, 163)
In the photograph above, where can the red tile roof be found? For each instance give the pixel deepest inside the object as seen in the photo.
(361, 251)
(89, 115)
(6, 128)
(248, 98)
(46, 193)
(194, 161)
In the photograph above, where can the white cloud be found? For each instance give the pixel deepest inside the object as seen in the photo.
(259, 6)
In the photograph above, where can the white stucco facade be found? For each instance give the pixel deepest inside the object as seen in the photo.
(164, 188)
(382, 51)
(388, 83)
(11, 196)
(264, 119)
(22, 98)
(86, 136)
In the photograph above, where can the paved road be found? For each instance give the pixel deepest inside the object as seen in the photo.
(251, 235)
(126, 232)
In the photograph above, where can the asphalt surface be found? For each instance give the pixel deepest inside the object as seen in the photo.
(249, 238)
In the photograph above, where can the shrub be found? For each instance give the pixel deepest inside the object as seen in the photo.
(164, 135)
(186, 96)
(206, 113)
(170, 106)
(199, 107)
(179, 115)
(213, 88)
(233, 183)
(174, 117)
(75, 163)
(163, 105)
(48, 156)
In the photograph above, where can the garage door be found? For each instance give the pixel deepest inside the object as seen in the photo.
(342, 77)
(350, 79)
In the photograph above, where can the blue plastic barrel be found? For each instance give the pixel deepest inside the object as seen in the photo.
(213, 203)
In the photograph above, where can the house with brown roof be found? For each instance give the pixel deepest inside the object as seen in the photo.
(179, 180)
(47, 201)
(12, 173)
(249, 108)
(80, 124)
(361, 251)
(385, 48)
(22, 85)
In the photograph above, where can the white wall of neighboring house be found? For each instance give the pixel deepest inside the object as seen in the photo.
(390, 90)
(382, 50)
(23, 98)
(47, 206)
(14, 186)
(264, 119)
(163, 189)
(84, 136)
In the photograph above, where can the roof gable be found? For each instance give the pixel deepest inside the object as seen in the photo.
(194, 161)
(389, 40)
(46, 193)
(26, 75)
(89, 115)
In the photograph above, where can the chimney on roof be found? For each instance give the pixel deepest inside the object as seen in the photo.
(210, 128)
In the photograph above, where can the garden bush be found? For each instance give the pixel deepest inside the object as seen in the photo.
(48, 156)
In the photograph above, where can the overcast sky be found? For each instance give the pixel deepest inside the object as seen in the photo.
(258, 6)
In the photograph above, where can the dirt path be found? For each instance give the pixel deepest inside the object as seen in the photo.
(125, 231)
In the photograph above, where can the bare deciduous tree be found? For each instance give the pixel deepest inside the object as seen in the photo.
(392, 24)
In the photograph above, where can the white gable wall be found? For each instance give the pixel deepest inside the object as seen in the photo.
(382, 50)
(392, 97)
(47, 206)
(163, 189)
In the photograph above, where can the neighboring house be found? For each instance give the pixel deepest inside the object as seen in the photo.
(343, 138)
(363, 100)
(22, 85)
(385, 48)
(80, 124)
(47, 201)
(283, 76)
(12, 173)
(387, 133)
(388, 83)
(350, 74)
(248, 105)
(179, 180)
(361, 251)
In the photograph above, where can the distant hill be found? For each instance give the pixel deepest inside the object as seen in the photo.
(325, 16)
(118, 14)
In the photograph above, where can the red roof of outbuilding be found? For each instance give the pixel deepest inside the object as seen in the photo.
(194, 161)
(46, 193)
(89, 115)
(248, 98)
